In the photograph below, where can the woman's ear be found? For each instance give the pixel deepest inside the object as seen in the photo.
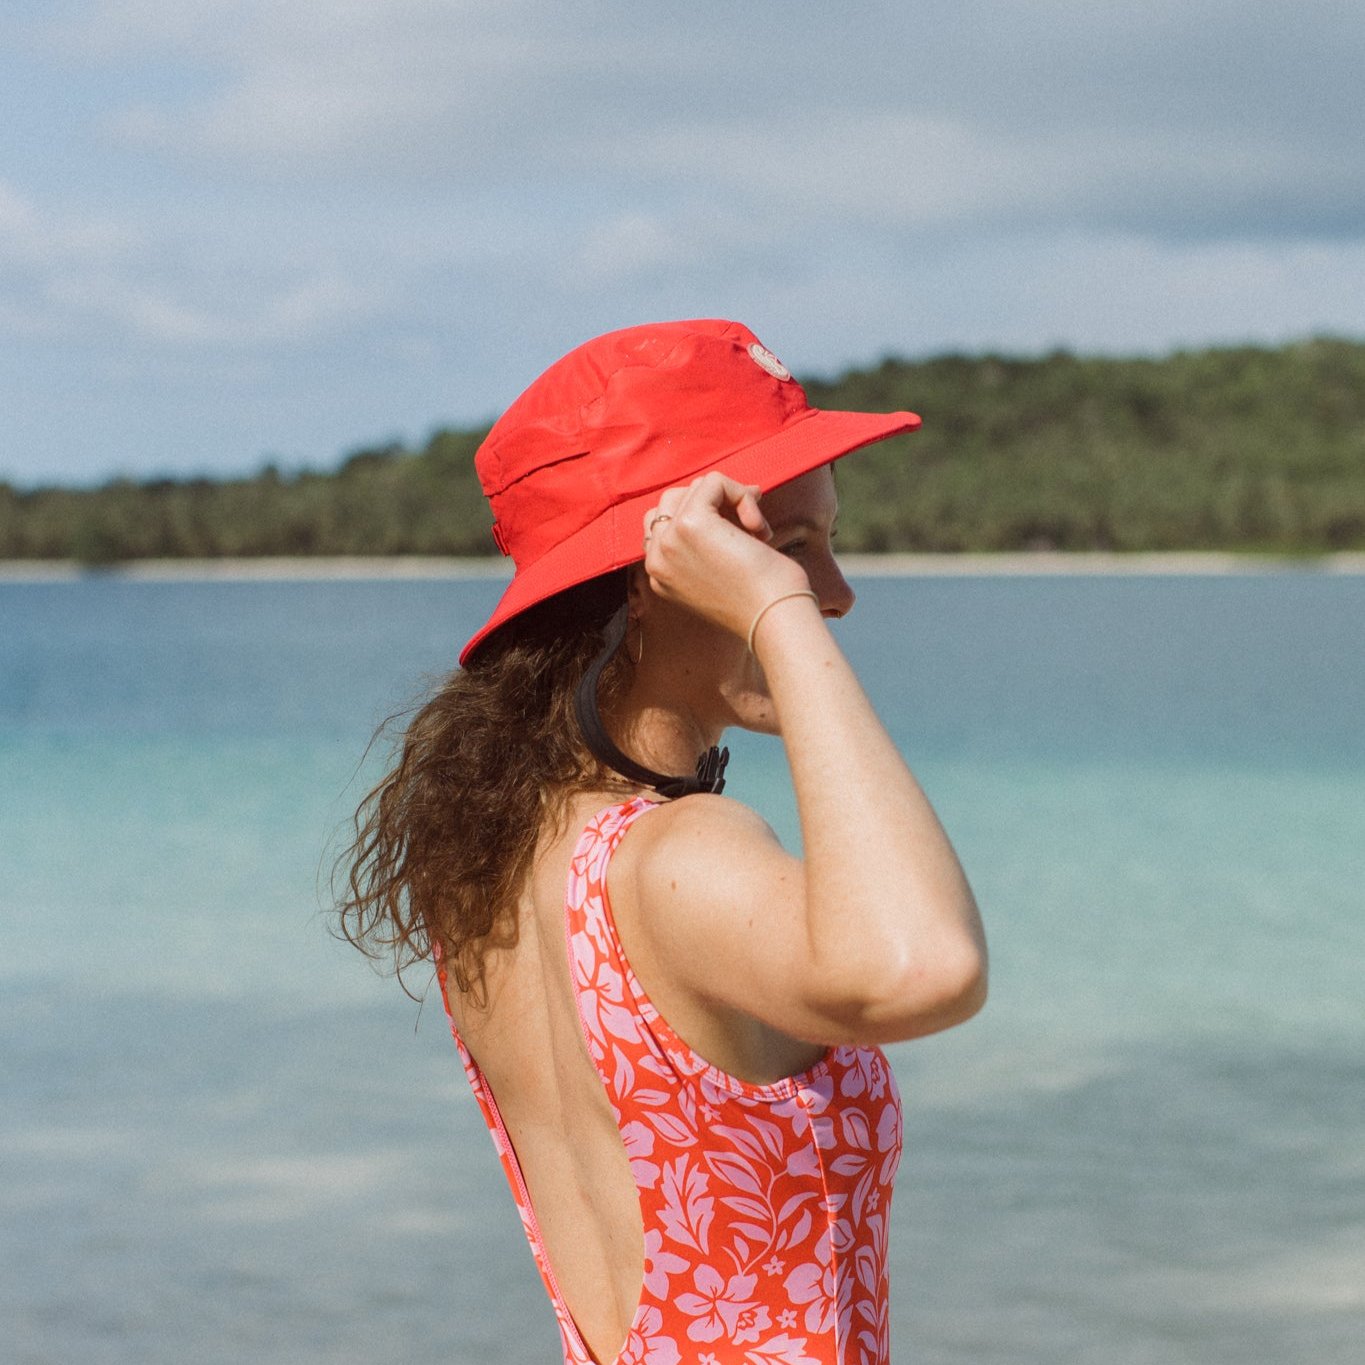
(639, 595)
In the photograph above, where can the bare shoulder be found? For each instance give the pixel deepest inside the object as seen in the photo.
(687, 839)
(706, 813)
(696, 862)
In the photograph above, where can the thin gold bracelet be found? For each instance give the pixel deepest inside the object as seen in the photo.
(763, 611)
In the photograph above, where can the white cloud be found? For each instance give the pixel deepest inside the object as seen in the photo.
(318, 86)
(236, 32)
(628, 246)
(697, 240)
(1209, 118)
(910, 172)
(1062, 107)
(32, 236)
(156, 313)
(315, 111)
(64, 276)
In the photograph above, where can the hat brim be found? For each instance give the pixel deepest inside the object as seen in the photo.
(615, 539)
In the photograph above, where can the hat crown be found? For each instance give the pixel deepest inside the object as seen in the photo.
(628, 413)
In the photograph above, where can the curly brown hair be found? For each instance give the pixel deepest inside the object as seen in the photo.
(443, 844)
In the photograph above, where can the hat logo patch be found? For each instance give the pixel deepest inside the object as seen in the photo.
(766, 360)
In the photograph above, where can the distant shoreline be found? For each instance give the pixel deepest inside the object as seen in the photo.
(1006, 563)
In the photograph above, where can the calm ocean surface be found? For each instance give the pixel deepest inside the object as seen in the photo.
(224, 1139)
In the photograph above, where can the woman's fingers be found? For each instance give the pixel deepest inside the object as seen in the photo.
(751, 516)
(713, 493)
(723, 494)
(705, 545)
(663, 511)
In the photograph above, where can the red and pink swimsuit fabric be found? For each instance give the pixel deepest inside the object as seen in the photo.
(766, 1208)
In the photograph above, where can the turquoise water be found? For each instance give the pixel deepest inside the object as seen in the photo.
(223, 1138)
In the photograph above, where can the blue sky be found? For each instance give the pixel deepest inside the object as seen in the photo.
(237, 230)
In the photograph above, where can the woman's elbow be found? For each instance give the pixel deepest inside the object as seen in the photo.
(964, 990)
(926, 993)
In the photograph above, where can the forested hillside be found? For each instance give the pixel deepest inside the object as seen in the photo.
(1232, 449)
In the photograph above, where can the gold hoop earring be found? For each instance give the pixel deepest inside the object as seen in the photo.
(635, 621)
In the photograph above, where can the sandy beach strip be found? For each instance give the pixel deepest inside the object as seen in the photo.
(1030, 562)
(297, 569)
(1045, 562)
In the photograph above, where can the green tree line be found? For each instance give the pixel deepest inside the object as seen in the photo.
(1250, 448)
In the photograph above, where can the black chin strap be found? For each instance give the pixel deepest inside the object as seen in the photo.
(710, 766)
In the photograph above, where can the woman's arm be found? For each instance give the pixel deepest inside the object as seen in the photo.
(873, 936)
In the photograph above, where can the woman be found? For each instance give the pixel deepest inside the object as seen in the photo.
(671, 1023)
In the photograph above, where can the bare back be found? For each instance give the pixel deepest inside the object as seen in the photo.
(529, 1044)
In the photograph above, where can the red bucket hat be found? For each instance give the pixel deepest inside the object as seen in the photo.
(573, 465)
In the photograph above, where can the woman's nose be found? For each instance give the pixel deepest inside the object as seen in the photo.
(835, 594)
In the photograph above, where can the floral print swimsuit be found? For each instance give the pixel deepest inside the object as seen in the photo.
(765, 1207)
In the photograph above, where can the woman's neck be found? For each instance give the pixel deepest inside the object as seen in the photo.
(664, 738)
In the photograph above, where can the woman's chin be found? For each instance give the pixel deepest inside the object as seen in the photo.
(756, 714)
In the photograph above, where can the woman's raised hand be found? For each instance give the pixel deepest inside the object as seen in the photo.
(706, 547)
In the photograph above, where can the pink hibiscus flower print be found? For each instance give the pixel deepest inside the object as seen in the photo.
(646, 1345)
(660, 1264)
(723, 1308)
(815, 1286)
